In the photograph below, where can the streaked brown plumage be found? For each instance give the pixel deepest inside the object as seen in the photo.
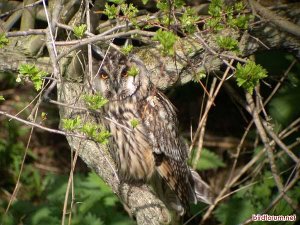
(152, 151)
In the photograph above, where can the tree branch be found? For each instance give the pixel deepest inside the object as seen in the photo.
(283, 23)
(143, 204)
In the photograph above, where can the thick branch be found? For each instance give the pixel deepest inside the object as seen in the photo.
(283, 23)
(141, 202)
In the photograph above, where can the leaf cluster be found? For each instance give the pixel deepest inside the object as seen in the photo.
(227, 43)
(249, 75)
(96, 132)
(189, 20)
(91, 130)
(11, 150)
(95, 101)
(133, 71)
(223, 16)
(208, 160)
(166, 6)
(113, 11)
(3, 40)
(167, 40)
(126, 49)
(94, 204)
(33, 73)
(134, 122)
(80, 30)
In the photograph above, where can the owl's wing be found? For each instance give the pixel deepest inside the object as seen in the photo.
(161, 122)
(171, 153)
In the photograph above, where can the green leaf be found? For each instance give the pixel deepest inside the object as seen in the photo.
(134, 122)
(126, 49)
(239, 6)
(209, 160)
(71, 124)
(227, 43)
(79, 30)
(3, 40)
(28, 69)
(90, 219)
(227, 16)
(235, 211)
(129, 11)
(90, 129)
(102, 136)
(44, 116)
(96, 132)
(95, 102)
(40, 215)
(145, 1)
(249, 75)
(241, 22)
(214, 23)
(133, 71)
(37, 80)
(166, 5)
(189, 20)
(33, 73)
(111, 11)
(263, 190)
(2, 98)
(167, 39)
(199, 76)
(163, 5)
(215, 8)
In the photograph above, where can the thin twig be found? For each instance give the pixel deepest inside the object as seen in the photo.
(276, 200)
(230, 181)
(210, 102)
(20, 8)
(278, 85)
(70, 181)
(15, 192)
(202, 131)
(280, 143)
(96, 38)
(198, 36)
(269, 149)
(26, 33)
(243, 170)
(32, 101)
(279, 21)
(41, 127)
(50, 28)
(85, 109)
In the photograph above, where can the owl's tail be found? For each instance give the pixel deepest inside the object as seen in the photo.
(202, 190)
(177, 186)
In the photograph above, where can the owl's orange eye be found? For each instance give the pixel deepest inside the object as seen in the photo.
(103, 76)
(124, 74)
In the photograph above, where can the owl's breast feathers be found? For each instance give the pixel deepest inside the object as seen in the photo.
(153, 148)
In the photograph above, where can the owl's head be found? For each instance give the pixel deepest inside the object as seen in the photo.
(116, 76)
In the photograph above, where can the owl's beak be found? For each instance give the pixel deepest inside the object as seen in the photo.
(115, 85)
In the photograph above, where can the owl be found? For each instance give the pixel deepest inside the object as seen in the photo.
(145, 141)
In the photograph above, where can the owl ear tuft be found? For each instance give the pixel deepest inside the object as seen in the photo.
(97, 53)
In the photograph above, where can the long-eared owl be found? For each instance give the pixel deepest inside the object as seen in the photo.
(150, 151)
